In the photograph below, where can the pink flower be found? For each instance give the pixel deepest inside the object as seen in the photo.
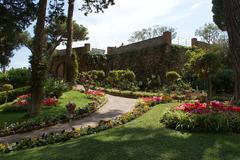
(95, 93)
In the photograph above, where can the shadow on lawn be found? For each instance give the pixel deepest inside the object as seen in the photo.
(125, 143)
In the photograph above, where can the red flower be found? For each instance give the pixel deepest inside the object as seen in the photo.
(49, 102)
(199, 108)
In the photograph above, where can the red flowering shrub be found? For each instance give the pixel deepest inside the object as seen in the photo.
(49, 102)
(25, 96)
(151, 101)
(24, 100)
(200, 108)
(95, 93)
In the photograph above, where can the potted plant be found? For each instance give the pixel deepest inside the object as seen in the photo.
(71, 108)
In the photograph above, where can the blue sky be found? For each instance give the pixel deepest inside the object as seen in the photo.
(115, 26)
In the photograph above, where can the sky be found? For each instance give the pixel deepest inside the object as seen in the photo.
(117, 23)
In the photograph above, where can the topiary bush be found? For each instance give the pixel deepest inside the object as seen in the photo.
(122, 79)
(55, 87)
(3, 79)
(172, 76)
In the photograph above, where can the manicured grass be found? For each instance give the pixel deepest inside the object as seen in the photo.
(142, 139)
(72, 96)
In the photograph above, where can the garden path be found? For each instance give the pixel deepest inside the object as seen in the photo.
(115, 107)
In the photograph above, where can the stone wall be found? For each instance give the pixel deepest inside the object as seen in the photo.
(155, 56)
(200, 44)
(57, 66)
(166, 38)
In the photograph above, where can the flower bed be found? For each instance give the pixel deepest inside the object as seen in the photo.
(139, 110)
(95, 93)
(201, 108)
(34, 124)
(22, 103)
(198, 117)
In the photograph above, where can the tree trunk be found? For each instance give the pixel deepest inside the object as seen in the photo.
(69, 68)
(209, 94)
(232, 14)
(37, 62)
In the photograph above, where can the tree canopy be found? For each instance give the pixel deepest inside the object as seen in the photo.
(151, 32)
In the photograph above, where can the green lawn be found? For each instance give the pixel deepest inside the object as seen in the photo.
(141, 139)
(72, 96)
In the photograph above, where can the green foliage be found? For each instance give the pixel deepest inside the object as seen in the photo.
(223, 81)
(172, 76)
(7, 87)
(130, 94)
(210, 33)
(75, 66)
(13, 94)
(152, 83)
(152, 32)
(212, 122)
(219, 16)
(55, 87)
(95, 77)
(121, 79)
(3, 78)
(19, 77)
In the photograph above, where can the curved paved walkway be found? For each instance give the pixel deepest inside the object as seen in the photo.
(115, 107)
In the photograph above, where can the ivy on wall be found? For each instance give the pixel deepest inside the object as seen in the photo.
(145, 62)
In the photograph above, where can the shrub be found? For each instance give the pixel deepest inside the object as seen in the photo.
(223, 81)
(75, 66)
(122, 79)
(7, 87)
(95, 77)
(19, 77)
(13, 94)
(3, 78)
(172, 76)
(214, 122)
(202, 118)
(55, 87)
(130, 94)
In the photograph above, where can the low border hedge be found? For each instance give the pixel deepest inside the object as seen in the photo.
(130, 94)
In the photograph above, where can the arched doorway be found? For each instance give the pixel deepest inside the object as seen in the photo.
(60, 70)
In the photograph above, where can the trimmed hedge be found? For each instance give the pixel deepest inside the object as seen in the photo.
(13, 94)
(130, 94)
(212, 122)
